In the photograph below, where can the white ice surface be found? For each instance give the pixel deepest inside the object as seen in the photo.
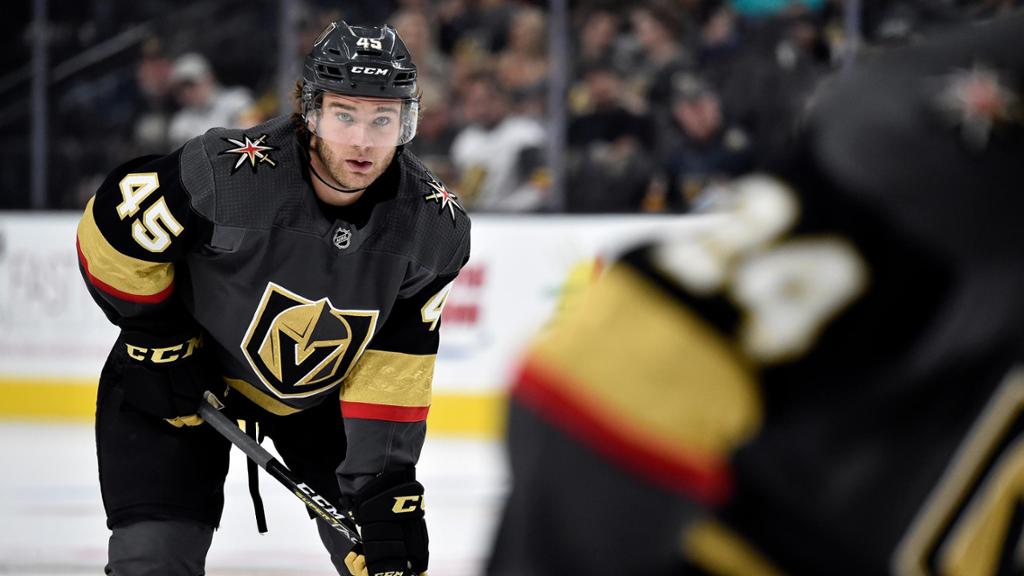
(52, 522)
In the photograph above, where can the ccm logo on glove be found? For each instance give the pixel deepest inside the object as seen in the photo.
(164, 355)
(407, 504)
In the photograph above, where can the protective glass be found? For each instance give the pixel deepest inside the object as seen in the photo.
(363, 122)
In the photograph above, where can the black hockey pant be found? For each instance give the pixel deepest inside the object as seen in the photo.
(163, 487)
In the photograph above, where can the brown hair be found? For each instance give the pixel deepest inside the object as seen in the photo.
(301, 130)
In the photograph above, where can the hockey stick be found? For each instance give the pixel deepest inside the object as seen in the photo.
(209, 410)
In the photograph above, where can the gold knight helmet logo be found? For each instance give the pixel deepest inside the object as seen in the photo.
(300, 347)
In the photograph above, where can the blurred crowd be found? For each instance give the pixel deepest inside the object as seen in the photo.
(664, 96)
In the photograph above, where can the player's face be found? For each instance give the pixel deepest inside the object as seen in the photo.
(365, 122)
(355, 141)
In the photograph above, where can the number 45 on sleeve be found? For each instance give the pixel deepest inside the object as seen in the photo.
(154, 229)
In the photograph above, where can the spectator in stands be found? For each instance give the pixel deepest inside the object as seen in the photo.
(601, 45)
(523, 65)
(762, 70)
(801, 59)
(481, 23)
(435, 132)
(726, 58)
(609, 149)
(417, 30)
(658, 29)
(498, 156)
(707, 148)
(155, 106)
(204, 102)
(598, 36)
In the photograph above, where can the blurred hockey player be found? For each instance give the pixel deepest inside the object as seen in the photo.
(823, 382)
(298, 267)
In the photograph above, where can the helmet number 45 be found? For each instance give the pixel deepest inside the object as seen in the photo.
(371, 43)
(154, 229)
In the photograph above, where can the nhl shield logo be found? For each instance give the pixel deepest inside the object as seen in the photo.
(342, 238)
(300, 347)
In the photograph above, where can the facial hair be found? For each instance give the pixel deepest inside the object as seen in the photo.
(336, 168)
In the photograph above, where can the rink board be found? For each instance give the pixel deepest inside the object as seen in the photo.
(53, 338)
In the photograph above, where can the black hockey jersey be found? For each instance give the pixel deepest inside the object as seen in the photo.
(296, 299)
(822, 383)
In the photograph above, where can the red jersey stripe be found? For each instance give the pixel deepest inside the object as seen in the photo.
(704, 478)
(384, 412)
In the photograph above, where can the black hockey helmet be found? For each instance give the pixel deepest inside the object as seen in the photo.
(361, 62)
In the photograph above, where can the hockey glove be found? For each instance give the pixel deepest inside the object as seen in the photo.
(389, 510)
(165, 376)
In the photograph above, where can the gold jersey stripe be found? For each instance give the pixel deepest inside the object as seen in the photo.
(391, 378)
(648, 365)
(116, 270)
(719, 551)
(260, 398)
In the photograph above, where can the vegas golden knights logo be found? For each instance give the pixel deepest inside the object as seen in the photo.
(300, 347)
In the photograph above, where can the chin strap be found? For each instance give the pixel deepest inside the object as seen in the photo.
(332, 186)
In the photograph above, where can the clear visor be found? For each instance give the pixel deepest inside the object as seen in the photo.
(363, 122)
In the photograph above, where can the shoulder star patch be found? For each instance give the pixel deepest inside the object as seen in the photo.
(978, 100)
(255, 151)
(444, 197)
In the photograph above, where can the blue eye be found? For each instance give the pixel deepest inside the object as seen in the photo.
(345, 117)
(381, 121)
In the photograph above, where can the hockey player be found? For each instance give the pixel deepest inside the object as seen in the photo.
(823, 382)
(299, 268)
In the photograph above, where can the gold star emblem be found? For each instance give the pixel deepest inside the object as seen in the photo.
(252, 150)
(444, 197)
(977, 100)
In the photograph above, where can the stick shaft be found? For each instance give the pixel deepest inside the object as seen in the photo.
(232, 432)
(321, 506)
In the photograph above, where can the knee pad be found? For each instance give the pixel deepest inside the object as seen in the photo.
(164, 547)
